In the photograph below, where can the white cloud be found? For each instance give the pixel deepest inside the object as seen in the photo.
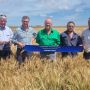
(71, 17)
(40, 7)
(2, 1)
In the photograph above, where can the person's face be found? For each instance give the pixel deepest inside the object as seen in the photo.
(48, 26)
(70, 27)
(89, 23)
(3, 22)
(25, 23)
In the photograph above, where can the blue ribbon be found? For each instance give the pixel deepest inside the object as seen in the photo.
(36, 48)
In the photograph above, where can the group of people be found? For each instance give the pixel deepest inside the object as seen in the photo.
(48, 36)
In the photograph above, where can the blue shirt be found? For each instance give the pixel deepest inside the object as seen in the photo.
(24, 36)
(66, 41)
(74, 41)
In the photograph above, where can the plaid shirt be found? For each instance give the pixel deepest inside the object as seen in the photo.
(24, 36)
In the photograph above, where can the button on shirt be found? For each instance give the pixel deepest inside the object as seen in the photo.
(5, 35)
(67, 41)
(24, 36)
(75, 40)
(53, 39)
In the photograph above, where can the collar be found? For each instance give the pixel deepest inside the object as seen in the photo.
(50, 32)
(24, 28)
(67, 32)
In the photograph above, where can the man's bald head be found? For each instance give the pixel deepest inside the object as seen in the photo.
(48, 21)
(48, 24)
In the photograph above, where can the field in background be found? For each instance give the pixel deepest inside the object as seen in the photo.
(78, 29)
(36, 74)
(61, 29)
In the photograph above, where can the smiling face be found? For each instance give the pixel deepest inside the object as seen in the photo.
(25, 22)
(70, 26)
(3, 21)
(48, 24)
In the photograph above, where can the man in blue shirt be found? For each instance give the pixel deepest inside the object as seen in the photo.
(70, 38)
(23, 36)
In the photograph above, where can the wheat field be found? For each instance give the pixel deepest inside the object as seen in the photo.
(36, 74)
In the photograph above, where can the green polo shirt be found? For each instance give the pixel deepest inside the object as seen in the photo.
(53, 39)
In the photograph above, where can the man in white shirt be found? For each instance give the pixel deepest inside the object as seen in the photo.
(86, 41)
(6, 35)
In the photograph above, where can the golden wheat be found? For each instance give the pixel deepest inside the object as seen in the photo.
(36, 74)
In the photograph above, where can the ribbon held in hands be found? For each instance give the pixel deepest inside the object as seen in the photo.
(36, 48)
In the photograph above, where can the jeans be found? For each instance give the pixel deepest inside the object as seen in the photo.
(5, 52)
(22, 55)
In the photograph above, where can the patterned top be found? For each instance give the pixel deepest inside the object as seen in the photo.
(24, 36)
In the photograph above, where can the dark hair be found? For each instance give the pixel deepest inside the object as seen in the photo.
(71, 22)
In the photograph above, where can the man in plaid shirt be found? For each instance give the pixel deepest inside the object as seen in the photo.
(23, 36)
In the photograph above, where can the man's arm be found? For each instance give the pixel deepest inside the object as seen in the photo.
(34, 37)
(79, 43)
(58, 39)
(16, 41)
(2, 42)
(38, 38)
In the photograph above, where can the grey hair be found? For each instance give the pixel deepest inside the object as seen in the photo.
(3, 16)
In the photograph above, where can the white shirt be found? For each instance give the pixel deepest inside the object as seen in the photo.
(86, 39)
(5, 35)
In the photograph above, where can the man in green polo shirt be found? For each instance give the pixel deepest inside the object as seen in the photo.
(48, 37)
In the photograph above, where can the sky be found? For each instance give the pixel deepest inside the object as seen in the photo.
(61, 11)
